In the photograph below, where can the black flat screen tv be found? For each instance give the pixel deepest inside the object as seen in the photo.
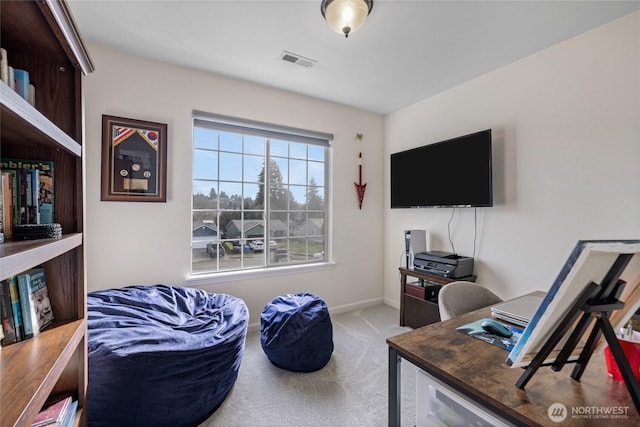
(452, 173)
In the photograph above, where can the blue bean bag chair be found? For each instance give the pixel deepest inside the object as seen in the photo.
(296, 332)
(161, 355)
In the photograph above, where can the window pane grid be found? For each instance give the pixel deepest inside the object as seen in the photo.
(257, 202)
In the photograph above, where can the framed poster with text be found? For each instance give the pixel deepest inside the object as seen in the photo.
(134, 160)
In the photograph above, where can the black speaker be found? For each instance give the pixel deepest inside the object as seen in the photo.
(431, 292)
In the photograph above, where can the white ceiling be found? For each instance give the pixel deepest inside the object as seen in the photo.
(406, 51)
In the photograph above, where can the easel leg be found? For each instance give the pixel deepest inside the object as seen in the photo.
(587, 352)
(560, 331)
(394, 388)
(597, 301)
(609, 302)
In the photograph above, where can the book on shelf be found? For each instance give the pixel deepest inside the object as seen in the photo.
(45, 192)
(24, 191)
(30, 189)
(7, 203)
(54, 412)
(25, 308)
(11, 81)
(12, 193)
(22, 82)
(2, 211)
(4, 66)
(33, 187)
(6, 315)
(15, 307)
(40, 297)
(27, 303)
(32, 95)
(71, 414)
(17, 79)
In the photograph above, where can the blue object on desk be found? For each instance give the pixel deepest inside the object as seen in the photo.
(496, 328)
(475, 330)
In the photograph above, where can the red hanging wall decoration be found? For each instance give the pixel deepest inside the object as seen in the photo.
(360, 187)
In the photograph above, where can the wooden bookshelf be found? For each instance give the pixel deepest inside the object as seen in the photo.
(41, 37)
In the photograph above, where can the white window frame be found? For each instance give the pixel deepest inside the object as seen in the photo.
(271, 131)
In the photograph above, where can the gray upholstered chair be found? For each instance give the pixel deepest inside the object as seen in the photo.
(461, 297)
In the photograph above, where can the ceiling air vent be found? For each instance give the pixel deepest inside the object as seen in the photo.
(297, 59)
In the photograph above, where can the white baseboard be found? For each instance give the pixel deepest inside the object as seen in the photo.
(356, 306)
(346, 308)
(392, 303)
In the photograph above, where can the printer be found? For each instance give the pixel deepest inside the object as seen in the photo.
(443, 264)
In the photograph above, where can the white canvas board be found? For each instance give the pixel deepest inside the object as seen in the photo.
(589, 262)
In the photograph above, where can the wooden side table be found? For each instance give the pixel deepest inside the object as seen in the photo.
(419, 302)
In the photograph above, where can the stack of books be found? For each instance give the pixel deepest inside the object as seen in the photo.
(26, 193)
(17, 79)
(59, 411)
(25, 308)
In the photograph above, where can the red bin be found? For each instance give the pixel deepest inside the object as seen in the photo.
(631, 351)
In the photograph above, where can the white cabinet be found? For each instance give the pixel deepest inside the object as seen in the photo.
(439, 405)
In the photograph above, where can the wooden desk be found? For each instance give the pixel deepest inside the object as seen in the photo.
(478, 371)
(417, 307)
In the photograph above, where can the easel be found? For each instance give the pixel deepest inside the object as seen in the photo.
(594, 302)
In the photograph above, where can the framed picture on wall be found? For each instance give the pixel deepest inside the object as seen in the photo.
(134, 160)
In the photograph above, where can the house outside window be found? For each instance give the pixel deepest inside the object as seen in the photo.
(259, 195)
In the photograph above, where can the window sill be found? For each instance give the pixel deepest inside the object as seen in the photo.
(258, 273)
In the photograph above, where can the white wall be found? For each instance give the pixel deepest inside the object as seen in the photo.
(566, 125)
(147, 243)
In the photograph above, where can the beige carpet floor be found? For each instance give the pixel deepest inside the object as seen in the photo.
(351, 390)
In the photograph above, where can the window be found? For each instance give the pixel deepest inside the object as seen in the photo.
(259, 195)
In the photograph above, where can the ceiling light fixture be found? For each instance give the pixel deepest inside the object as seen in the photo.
(346, 16)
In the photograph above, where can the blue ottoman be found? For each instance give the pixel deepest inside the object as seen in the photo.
(296, 332)
(161, 355)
